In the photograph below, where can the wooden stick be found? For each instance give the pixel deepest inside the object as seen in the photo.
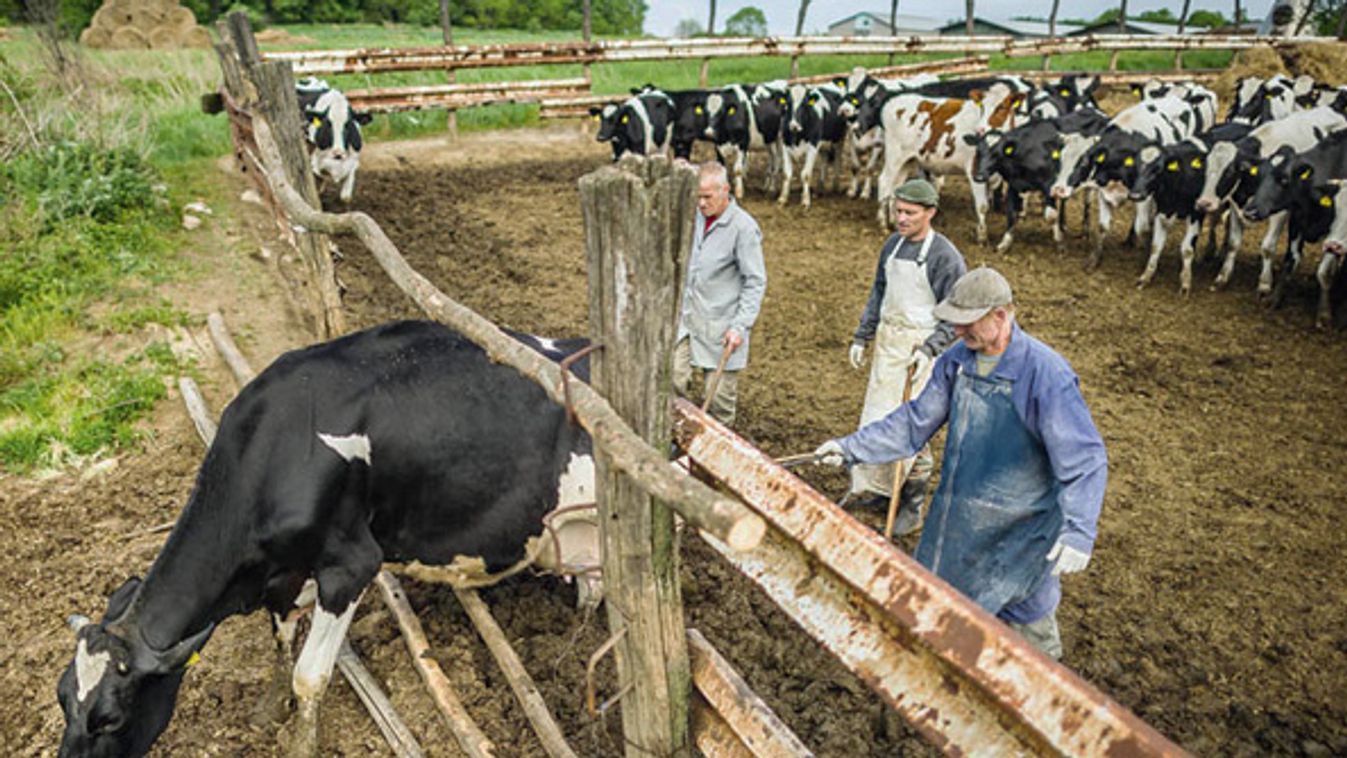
(470, 738)
(727, 518)
(366, 687)
(196, 408)
(243, 372)
(714, 384)
(899, 466)
(535, 708)
(751, 719)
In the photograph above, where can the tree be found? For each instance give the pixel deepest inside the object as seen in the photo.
(799, 20)
(893, 21)
(687, 28)
(446, 25)
(748, 21)
(1183, 15)
(711, 22)
(968, 18)
(1207, 19)
(1052, 19)
(1122, 17)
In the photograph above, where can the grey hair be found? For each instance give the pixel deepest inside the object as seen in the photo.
(714, 169)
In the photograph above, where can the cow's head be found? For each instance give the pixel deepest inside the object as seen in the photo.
(691, 119)
(729, 117)
(118, 692)
(1336, 241)
(606, 116)
(1174, 167)
(1272, 184)
(333, 128)
(990, 145)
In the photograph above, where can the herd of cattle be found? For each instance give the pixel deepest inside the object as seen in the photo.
(1279, 154)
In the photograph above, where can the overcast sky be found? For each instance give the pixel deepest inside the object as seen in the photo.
(664, 14)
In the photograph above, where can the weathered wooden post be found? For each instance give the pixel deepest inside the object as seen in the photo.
(638, 229)
(278, 104)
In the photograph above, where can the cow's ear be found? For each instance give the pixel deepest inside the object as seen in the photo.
(635, 90)
(120, 599)
(840, 81)
(972, 139)
(182, 654)
(594, 110)
(363, 117)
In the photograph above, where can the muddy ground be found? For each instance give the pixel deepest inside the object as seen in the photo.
(1214, 606)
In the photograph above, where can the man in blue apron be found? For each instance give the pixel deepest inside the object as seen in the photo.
(1024, 469)
(917, 268)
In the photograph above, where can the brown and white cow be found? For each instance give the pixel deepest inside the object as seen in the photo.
(927, 133)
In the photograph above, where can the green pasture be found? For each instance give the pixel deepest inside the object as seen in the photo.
(101, 151)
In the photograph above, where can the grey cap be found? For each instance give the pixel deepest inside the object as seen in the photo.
(918, 191)
(973, 296)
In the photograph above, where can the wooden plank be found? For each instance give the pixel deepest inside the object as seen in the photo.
(713, 737)
(535, 708)
(385, 716)
(757, 727)
(469, 737)
(224, 345)
(196, 409)
(638, 230)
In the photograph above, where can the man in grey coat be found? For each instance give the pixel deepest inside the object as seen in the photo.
(726, 279)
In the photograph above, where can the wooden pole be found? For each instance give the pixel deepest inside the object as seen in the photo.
(704, 72)
(450, 75)
(224, 344)
(746, 714)
(554, 742)
(638, 229)
(899, 466)
(470, 738)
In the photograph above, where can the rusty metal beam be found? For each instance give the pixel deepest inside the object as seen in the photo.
(751, 720)
(370, 60)
(965, 65)
(1120, 77)
(963, 679)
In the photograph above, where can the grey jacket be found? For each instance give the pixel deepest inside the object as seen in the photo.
(726, 279)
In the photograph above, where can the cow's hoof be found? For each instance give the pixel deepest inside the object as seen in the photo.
(1184, 292)
(1142, 282)
(299, 736)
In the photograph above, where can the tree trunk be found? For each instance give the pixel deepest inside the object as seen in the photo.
(1237, 15)
(1183, 15)
(968, 18)
(588, 26)
(711, 22)
(1052, 19)
(1300, 25)
(446, 25)
(1122, 17)
(1341, 33)
(893, 24)
(799, 20)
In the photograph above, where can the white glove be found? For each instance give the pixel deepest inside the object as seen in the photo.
(922, 360)
(830, 453)
(857, 356)
(1069, 560)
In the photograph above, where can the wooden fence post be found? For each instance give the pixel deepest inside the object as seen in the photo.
(638, 229)
(702, 75)
(278, 104)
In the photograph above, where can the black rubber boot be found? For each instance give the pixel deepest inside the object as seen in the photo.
(910, 500)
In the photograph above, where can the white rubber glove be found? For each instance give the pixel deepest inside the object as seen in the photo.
(830, 454)
(1069, 560)
(857, 356)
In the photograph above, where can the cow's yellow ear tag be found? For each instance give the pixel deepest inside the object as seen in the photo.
(1129, 161)
(1196, 163)
(730, 110)
(1326, 201)
(1172, 166)
(316, 121)
(626, 119)
(1010, 149)
(1305, 174)
(1253, 171)
(700, 110)
(1056, 154)
(195, 659)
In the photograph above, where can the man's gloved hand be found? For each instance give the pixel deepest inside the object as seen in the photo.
(830, 454)
(922, 358)
(857, 356)
(1069, 560)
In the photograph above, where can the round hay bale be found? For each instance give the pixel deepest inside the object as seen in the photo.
(181, 18)
(1325, 61)
(104, 18)
(197, 36)
(128, 38)
(165, 37)
(95, 37)
(1256, 61)
(146, 17)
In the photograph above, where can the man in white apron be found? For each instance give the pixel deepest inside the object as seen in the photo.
(917, 268)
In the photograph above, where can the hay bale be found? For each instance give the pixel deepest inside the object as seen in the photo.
(180, 18)
(1325, 61)
(197, 36)
(165, 38)
(128, 38)
(1256, 61)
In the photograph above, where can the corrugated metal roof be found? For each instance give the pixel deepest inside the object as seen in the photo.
(907, 22)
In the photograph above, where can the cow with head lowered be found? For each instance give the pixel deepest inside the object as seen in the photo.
(744, 117)
(403, 443)
(332, 130)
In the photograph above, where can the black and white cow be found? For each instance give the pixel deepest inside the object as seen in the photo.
(1335, 249)
(1112, 163)
(1029, 158)
(401, 443)
(1304, 186)
(606, 116)
(1234, 170)
(744, 117)
(1172, 177)
(815, 124)
(1056, 99)
(641, 124)
(332, 129)
(690, 120)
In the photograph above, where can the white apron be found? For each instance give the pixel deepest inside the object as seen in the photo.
(905, 321)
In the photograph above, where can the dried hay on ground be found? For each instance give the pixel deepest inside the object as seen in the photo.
(1256, 61)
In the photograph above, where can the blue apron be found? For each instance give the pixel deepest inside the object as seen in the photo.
(995, 516)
